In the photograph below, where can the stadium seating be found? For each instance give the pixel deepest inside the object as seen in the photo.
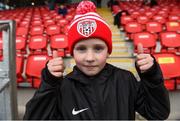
(37, 30)
(173, 26)
(126, 19)
(48, 22)
(53, 30)
(142, 19)
(174, 18)
(147, 39)
(38, 44)
(170, 42)
(22, 31)
(20, 45)
(36, 23)
(170, 64)
(153, 27)
(133, 27)
(60, 43)
(35, 63)
(159, 19)
(19, 68)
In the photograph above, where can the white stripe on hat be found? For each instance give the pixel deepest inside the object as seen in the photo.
(88, 17)
(89, 13)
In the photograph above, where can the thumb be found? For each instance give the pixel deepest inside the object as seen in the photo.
(140, 48)
(55, 54)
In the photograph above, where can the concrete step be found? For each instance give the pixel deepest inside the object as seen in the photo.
(23, 96)
(120, 54)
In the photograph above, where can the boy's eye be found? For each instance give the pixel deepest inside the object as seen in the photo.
(81, 48)
(98, 48)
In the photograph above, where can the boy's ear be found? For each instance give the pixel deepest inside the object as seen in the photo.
(107, 55)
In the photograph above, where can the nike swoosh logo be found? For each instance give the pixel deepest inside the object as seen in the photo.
(74, 112)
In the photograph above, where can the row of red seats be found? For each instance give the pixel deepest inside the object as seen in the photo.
(147, 25)
(169, 42)
(36, 28)
(169, 63)
(39, 45)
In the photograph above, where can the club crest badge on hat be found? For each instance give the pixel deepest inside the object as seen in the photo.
(86, 27)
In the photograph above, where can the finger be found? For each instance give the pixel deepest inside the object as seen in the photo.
(57, 74)
(142, 56)
(142, 62)
(57, 68)
(140, 48)
(55, 54)
(56, 61)
(145, 67)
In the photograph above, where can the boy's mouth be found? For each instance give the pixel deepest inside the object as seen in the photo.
(90, 66)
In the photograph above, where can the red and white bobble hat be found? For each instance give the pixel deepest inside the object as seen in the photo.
(88, 24)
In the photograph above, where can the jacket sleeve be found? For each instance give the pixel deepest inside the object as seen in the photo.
(152, 99)
(43, 105)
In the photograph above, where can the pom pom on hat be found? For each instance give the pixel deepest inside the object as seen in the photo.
(85, 7)
(88, 24)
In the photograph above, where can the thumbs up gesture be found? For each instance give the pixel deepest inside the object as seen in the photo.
(143, 61)
(56, 65)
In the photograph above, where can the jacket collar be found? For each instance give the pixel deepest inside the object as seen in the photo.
(100, 78)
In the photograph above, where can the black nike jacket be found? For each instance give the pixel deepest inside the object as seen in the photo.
(112, 94)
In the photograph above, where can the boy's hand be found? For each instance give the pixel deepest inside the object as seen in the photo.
(144, 61)
(56, 65)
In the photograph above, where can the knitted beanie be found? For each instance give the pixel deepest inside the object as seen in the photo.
(88, 24)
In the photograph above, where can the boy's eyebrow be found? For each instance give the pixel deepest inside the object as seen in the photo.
(100, 44)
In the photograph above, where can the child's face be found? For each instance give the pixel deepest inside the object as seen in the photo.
(90, 55)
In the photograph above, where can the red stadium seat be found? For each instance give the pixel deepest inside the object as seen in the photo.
(170, 84)
(173, 26)
(170, 64)
(142, 19)
(60, 43)
(149, 14)
(147, 40)
(19, 68)
(133, 27)
(20, 45)
(53, 30)
(22, 31)
(159, 19)
(69, 17)
(24, 24)
(58, 17)
(48, 22)
(126, 19)
(170, 42)
(64, 30)
(62, 22)
(153, 27)
(34, 66)
(135, 14)
(37, 23)
(174, 18)
(37, 30)
(38, 44)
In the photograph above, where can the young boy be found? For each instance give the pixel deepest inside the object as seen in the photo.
(95, 89)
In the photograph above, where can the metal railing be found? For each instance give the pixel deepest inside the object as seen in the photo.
(8, 88)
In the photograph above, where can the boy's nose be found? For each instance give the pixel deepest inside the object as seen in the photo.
(90, 56)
